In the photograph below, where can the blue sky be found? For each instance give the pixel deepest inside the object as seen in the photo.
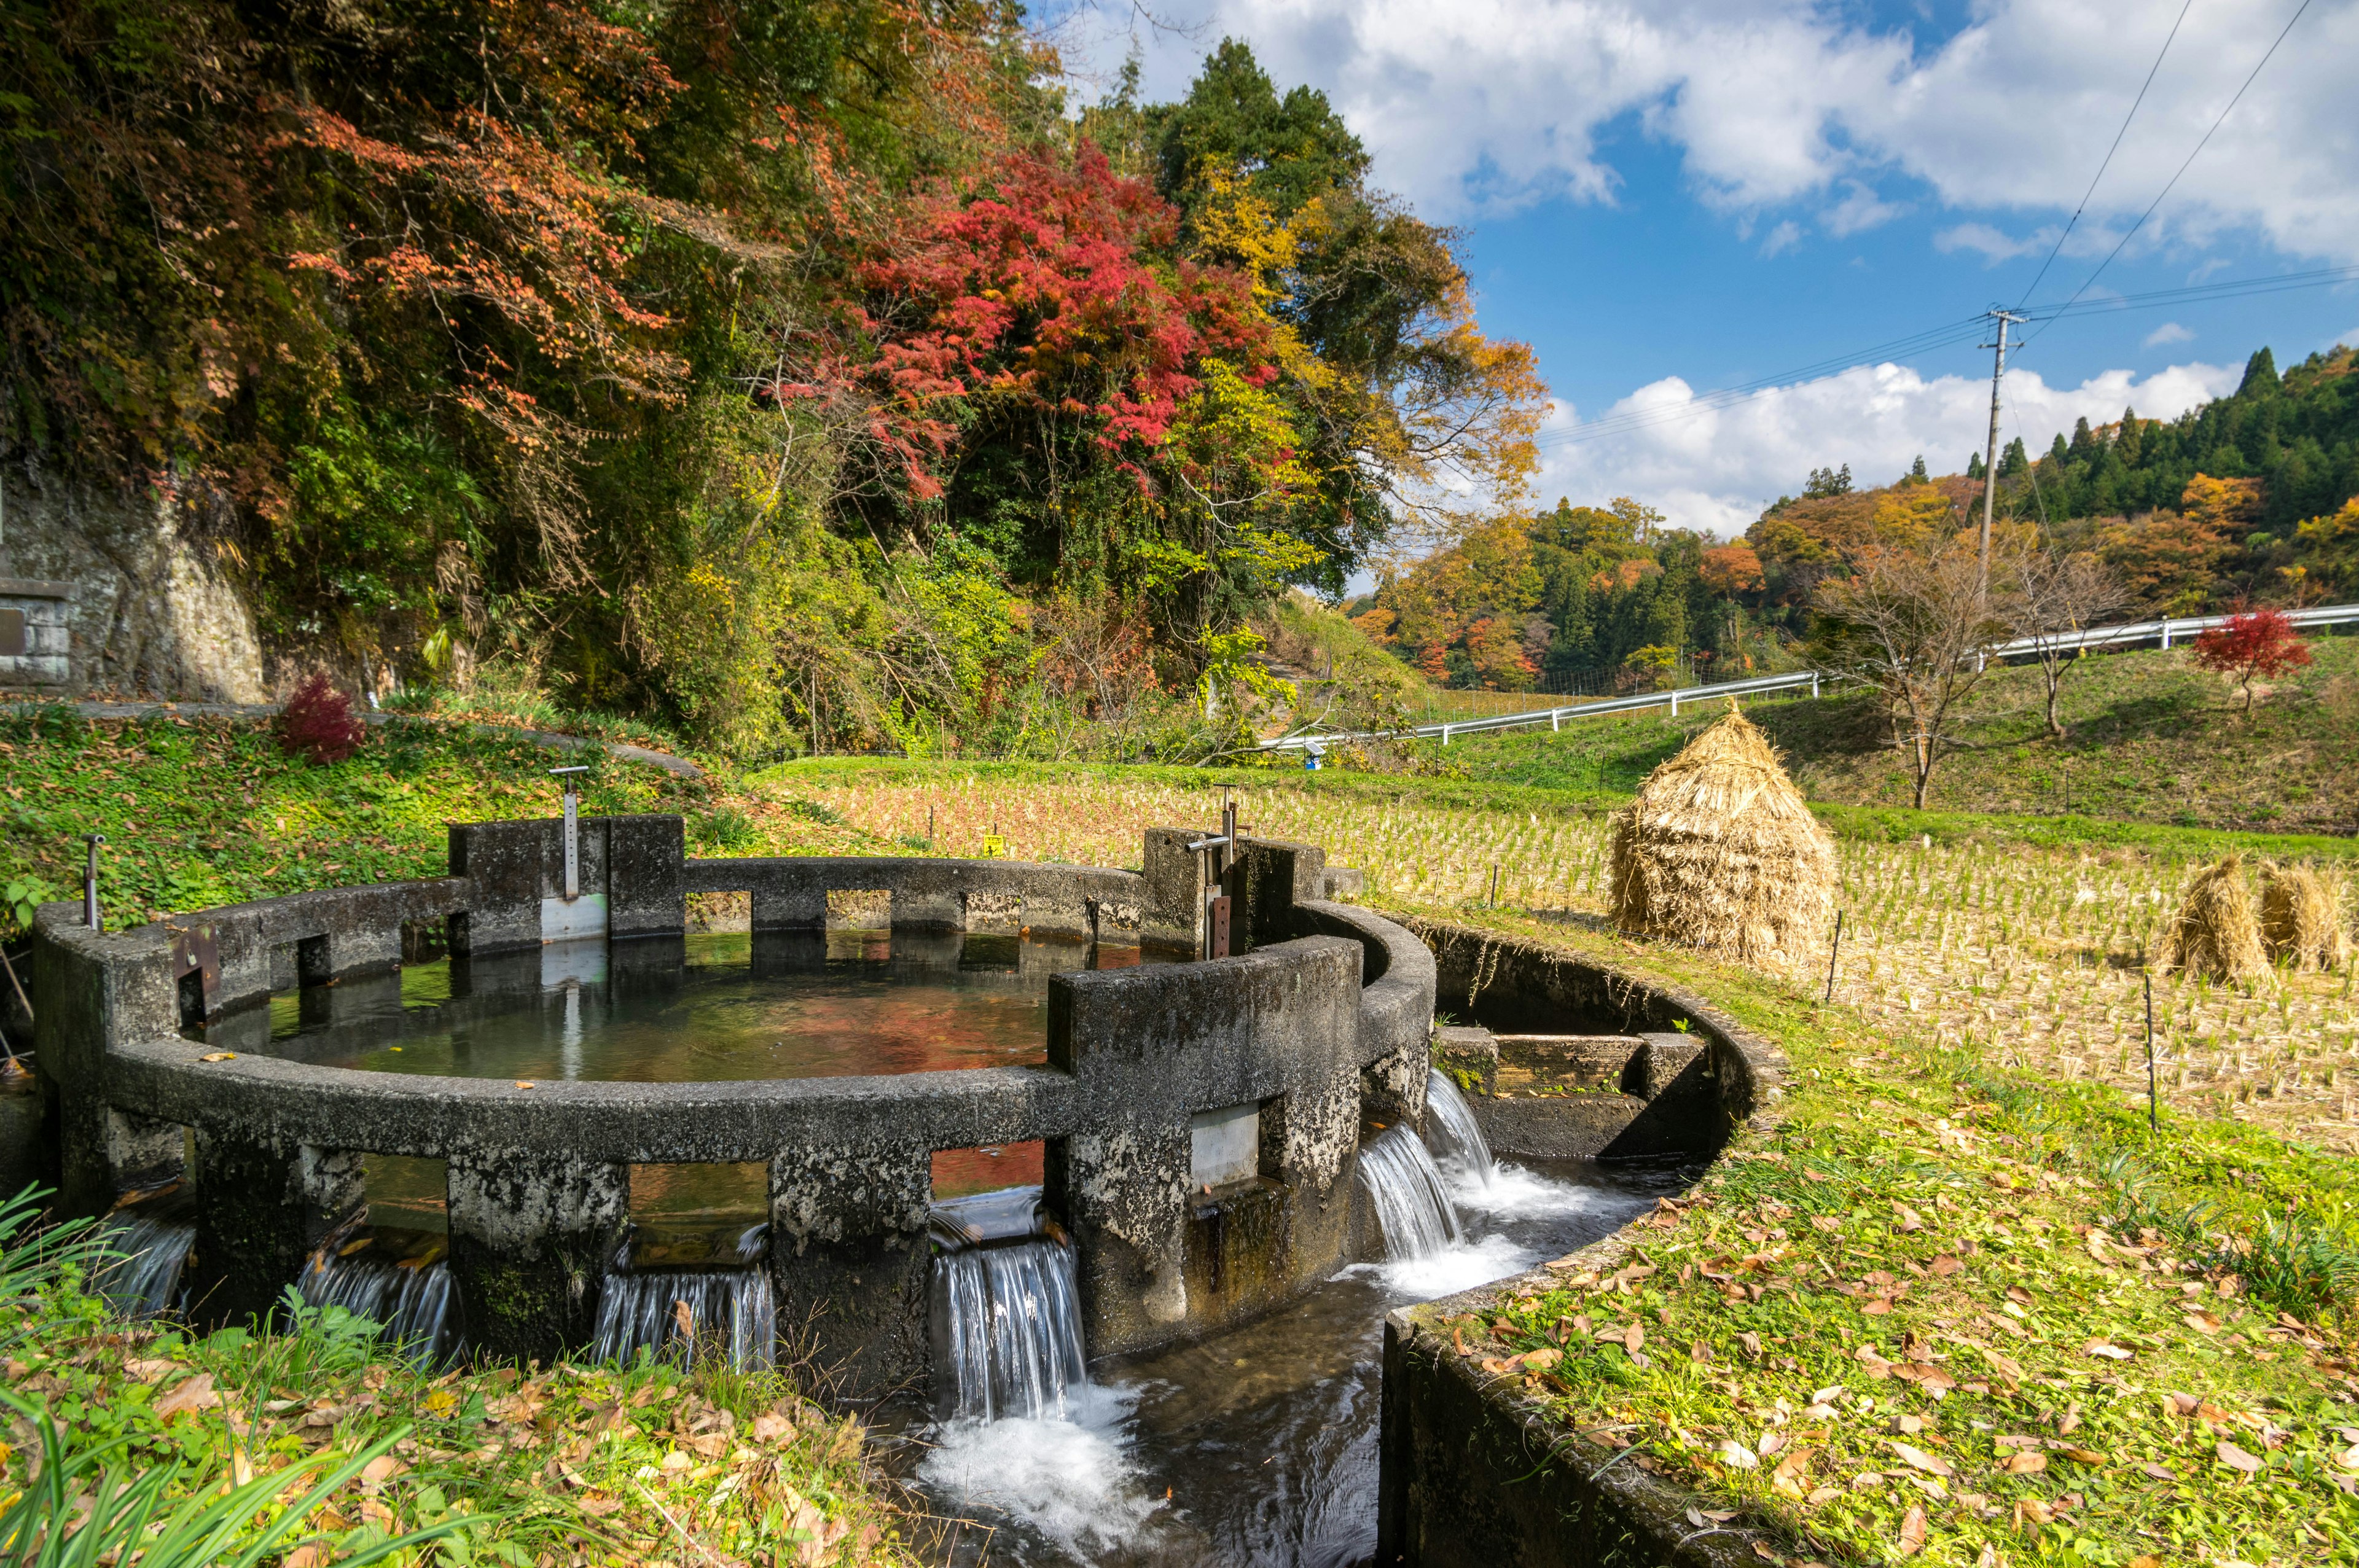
(1688, 195)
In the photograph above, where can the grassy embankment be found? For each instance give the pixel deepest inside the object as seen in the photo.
(2151, 739)
(1862, 1179)
(1946, 1309)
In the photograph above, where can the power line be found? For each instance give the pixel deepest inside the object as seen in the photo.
(2198, 293)
(2110, 151)
(2192, 156)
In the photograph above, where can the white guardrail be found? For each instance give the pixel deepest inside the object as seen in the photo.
(2170, 629)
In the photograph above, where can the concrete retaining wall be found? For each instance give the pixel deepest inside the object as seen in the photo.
(1473, 1476)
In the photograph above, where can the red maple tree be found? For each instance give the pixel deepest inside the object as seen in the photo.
(1047, 282)
(2255, 642)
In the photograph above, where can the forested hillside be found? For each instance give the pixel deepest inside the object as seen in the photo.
(799, 373)
(2249, 498)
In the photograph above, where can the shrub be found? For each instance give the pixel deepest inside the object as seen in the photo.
(2258, 643)
(319, 722)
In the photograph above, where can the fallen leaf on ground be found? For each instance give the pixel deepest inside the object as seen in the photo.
(1912, 1532)
(2025, 1461)
(2236, 1458)
(2109, 1351)
(218, 1057)
(1933, 1464)
(1737, 1456)
(189, 1394)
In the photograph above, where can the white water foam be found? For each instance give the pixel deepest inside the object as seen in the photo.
(1512, 1192)
(1460, 1266)
(1071, 1479)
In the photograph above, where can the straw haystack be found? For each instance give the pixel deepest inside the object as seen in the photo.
(1719, 852)
(2215, 933)
(2302, 917)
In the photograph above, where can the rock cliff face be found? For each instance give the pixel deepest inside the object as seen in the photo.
(149, 608)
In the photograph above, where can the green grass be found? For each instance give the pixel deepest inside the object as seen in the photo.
(2151, 740)
(1917, 1207)
(501, 1464)
(199, 812)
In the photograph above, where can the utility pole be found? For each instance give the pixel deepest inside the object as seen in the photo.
(1990, 449)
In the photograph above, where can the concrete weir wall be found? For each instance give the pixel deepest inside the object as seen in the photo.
(1473, 1476)
(1324, 1008)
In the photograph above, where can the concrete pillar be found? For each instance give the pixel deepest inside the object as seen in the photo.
(1170, 873)
(91, 989)
(646, 890)
(532, 1235)
(1269, 879)
(262, 1206)
(1123, 1193)
(503, 859)
(850, 1259)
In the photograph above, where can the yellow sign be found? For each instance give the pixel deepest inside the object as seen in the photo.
(995, 848)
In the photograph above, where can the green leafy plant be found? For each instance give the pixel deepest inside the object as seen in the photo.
(88, 1507)
(21, 897)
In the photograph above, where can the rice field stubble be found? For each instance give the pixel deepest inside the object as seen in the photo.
(2030, 956)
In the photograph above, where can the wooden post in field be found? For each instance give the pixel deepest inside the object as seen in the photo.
(1834, 953)
(2153, 1110)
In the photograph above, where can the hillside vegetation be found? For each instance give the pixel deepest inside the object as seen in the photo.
(2151, 739)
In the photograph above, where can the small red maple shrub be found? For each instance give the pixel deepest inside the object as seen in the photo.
(2258, 643)
(319, 722)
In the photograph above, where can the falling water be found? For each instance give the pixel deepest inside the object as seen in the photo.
(155, 1249)
(1451, 1131)
(680, 1314)
(1412, 1205)
(1013, 1319)
(414, 1299)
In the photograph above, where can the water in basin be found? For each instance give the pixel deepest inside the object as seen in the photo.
(714, 1007)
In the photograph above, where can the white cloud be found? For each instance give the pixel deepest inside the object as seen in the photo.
(1716, 468)
(2339, 339)
(1994, 244)
(1490, 104)
(1861, 209)
(1783, 238)
(2169, 332)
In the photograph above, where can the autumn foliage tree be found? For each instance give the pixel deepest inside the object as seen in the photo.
(2255, 644)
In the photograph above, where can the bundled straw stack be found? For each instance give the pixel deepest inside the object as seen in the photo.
(2215, 933)
(2302, 917)
(1719, 852)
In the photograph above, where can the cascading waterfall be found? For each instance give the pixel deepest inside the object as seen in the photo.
(1451, 1131)
(1412, 1204)
(681, 1314)
(415, 1299)
(1014, 1319)
(155, 1251)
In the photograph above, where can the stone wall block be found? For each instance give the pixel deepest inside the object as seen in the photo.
(503, 860)
(93, 991)
(646, 892)
(149, 608)
(532, 1235)
(850, 1253)
(262, 1206)
(1170, 873)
